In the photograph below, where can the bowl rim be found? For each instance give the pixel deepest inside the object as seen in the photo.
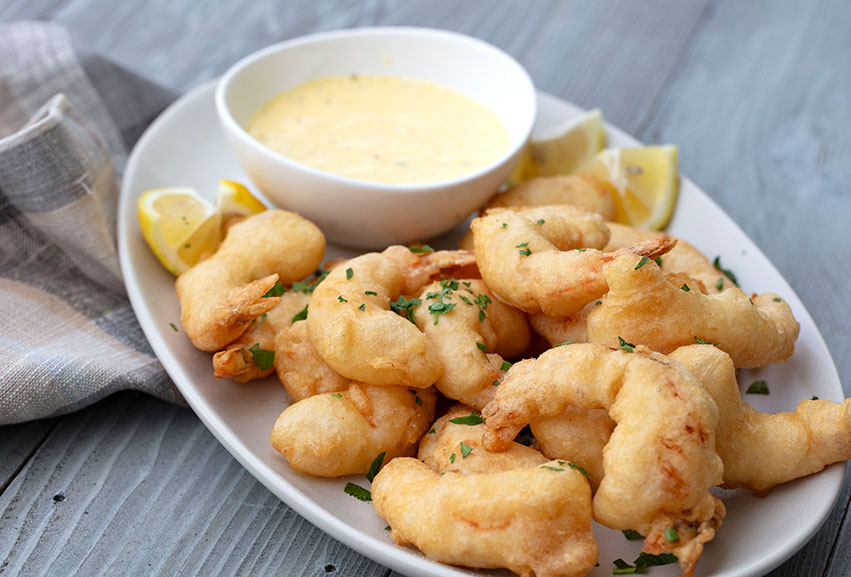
(234, 127)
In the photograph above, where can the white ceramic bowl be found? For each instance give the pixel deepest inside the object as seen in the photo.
(363, 214)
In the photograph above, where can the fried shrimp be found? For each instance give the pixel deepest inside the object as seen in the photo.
(580, 191)
(683, 258)
(336, 434)
(533, 521)
(660, 460)
(354, 327)
(644, 307)
(761, 450)
(300, 368)
(220, 296)
(457, 447)
(546, 259)
(471, 333)
(237, 361)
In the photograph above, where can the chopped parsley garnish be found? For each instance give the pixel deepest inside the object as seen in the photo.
(658, 260)
(505, 225)
(404, 307)
(277, 290)
(815, 398)
(759, 387)
(641, 263)
(362, 307)
(777, 299)
(420, 249)
(580, 249)
(301, 315)
(439, 307)
(646, 560)
(504, 366)
(522, 244)
(450, 284)
(579, 468)
(387, 528)
(373, 293)
(551, 468)
(341, 299)
(349, 274)
(622, 568)
(471, 420)
(685, 287)
(173, 327)
(337, 395)
(671, 535)
(598, 303)
(452, 458)
(358, 492)
(482, 315)
(465, 300)
(632, 535)
(525, 251)
(432, 432)
(562, 344)
(261, 319)
(701, 341)
(727, 273)
(418, 400)
(720, 284)
(625, 346)
(495, 384)
(262, 358)
(482, 346)
(540, 222)
(465, 450)
(375, 466)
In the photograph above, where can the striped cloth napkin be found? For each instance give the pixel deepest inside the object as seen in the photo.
(68, 336)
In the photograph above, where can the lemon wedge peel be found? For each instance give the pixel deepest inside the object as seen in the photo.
(234, 199)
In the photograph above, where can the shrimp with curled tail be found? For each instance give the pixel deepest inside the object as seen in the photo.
(220, 296)
(354, 326)
(548, 259)
(658, 464)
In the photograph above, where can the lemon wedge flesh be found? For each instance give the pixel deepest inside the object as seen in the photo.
(179, 226)
(563, 148)
(234, 199)
(645, 182)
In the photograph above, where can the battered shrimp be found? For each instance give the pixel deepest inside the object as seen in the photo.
(441, 449)
(237, 360)
(644, 307)
(220, 296)
(660, 460)
(300, 368)
(546, 259)
(354, 329)
(337, 434)
(683, 258)
(534, 521)
(471, 334)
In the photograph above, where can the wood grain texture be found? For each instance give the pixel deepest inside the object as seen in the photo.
(755, 94)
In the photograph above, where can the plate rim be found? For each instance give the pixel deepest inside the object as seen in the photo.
(387, 554)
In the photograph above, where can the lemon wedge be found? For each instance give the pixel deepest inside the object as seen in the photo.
(234, 199)
(645, 182)
(561, 149)
(179, 226)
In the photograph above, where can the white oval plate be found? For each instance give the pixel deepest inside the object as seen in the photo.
(185, 147)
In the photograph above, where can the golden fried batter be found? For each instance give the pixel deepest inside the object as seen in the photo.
(300, 368)
(534, 521)
(336, 434)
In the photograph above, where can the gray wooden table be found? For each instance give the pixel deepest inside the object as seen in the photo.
(756, 94)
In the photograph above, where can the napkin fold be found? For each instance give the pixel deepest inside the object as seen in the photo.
(68, 117)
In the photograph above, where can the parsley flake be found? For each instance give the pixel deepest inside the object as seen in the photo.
(432, 432)
(701, 341)
(495, 384)
(658, 260)
(450, 284)
(646, 560)
(465, 450)
(727, 273)
(671, 535)
(551, 468)
(341, 299)
(562, 344)
(173, 327)
(482, 346)
(540, 222)
(579, 468)
(471, 420)
(815, 398)
(622, 568)
(720, 284)
(758, 388)
(420, 249)
(525, 251)
(404, 307)
(685, 287)
(349, 274)
(452, 458)
(337, 395)
(505, 225)
(623, 345)
(418, 400)
(777, 299)
(301, 315)
(387, 528)
(465, 300)
(482, 315)
(632, 535)
(358, 492)
(505, 366)
(598, 303)
(277, 290)
(375, 466)
(644, 260)
(262, 358)
(373, 293)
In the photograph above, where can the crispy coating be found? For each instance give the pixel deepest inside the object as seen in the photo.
(536, 268)
(534, 521)
(237, 361)
(572, 329)
(761, 450)
(683, 258)
(419, 269)
(476, 319)
(374, 345)
(576, 435)
(220, 296)
(337, 434)
(660, 460)
(441, 449)
(300, 368)
(644, 307)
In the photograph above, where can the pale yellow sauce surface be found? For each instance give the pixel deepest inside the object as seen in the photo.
(381, 129)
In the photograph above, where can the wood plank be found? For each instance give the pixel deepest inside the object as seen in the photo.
(135, 486)
(29, 9)
(17, 445)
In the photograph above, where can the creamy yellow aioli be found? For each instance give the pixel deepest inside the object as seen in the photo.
(381, 129)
